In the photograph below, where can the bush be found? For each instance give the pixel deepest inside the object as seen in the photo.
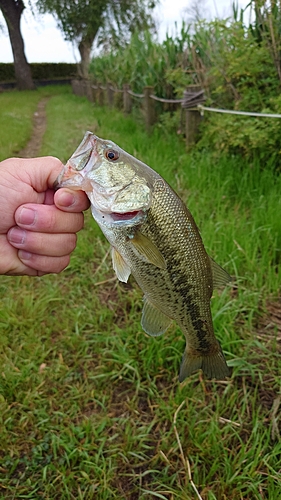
(40, 71)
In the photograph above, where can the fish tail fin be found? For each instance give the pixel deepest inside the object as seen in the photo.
(213, 365)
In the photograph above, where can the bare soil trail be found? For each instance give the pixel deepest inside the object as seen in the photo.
(33, 146)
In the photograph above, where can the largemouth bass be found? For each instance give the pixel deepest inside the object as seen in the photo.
(153, 237)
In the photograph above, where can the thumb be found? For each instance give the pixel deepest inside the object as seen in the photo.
(38, 173)
(42, 172)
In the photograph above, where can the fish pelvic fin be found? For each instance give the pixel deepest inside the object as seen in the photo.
(120, 267)
(153, 321)
(213, 365)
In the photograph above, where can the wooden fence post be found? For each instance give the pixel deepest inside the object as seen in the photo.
(149, 108)
(118, 99)
(78, 87)
(100, 96)
(84, 88)
(192, 120)
(74, 85)
(88, 90)
(110, 95)
(81, 88)
(94, 93)
(127, 99)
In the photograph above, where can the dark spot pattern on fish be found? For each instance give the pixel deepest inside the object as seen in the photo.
(181, 293)
(186, 292)
(201, 328)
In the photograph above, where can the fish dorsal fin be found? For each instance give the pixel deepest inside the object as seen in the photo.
(220, 276)
(153, 321)
(120, 267)
(147, 251)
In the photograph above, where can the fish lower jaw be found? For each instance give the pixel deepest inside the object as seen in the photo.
(119, 219)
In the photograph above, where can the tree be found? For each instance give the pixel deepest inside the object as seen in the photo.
(82, 21)
(196, 11)
(12, 11)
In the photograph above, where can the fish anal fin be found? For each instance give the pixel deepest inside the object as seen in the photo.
(120, 267)
(212, 365)
(220, 276)
(153, 321)
(147, 251)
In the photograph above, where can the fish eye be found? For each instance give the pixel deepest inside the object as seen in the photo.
(112, 155)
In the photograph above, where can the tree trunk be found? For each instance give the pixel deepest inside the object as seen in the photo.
(85, 52)
(12, 11)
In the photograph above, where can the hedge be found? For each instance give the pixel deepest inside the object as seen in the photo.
(40, 71)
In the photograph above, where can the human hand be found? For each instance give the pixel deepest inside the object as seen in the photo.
(38, 226)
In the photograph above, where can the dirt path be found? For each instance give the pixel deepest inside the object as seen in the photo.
(39, 126)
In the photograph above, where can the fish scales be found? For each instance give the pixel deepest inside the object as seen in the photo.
(159, 243)
(174, 290)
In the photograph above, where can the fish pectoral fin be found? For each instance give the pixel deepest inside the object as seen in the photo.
(147, 251)
(220, 276)
(120, 267)
(213, 365)
(153, 321)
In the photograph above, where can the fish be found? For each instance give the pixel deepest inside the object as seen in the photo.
(154, 237)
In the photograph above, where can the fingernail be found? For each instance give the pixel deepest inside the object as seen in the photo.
(17, 235)
(27, 216)
(24, 255)
(66, 199)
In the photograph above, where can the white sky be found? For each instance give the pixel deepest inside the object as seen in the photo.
(44, 42)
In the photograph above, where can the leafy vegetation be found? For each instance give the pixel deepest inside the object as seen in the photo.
(91, 407)
(142, 62)
(236, 63)
(83, 21)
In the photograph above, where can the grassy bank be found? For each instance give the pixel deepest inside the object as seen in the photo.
(91, 407)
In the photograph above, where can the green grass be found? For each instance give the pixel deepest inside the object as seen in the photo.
(17, 110)
(90, 407)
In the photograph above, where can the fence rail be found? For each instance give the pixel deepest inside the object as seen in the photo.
(139, 96)
(234, 112)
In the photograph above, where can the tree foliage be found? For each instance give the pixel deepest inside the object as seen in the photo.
(112, 21)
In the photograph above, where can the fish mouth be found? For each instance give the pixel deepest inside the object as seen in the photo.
(119, 217)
